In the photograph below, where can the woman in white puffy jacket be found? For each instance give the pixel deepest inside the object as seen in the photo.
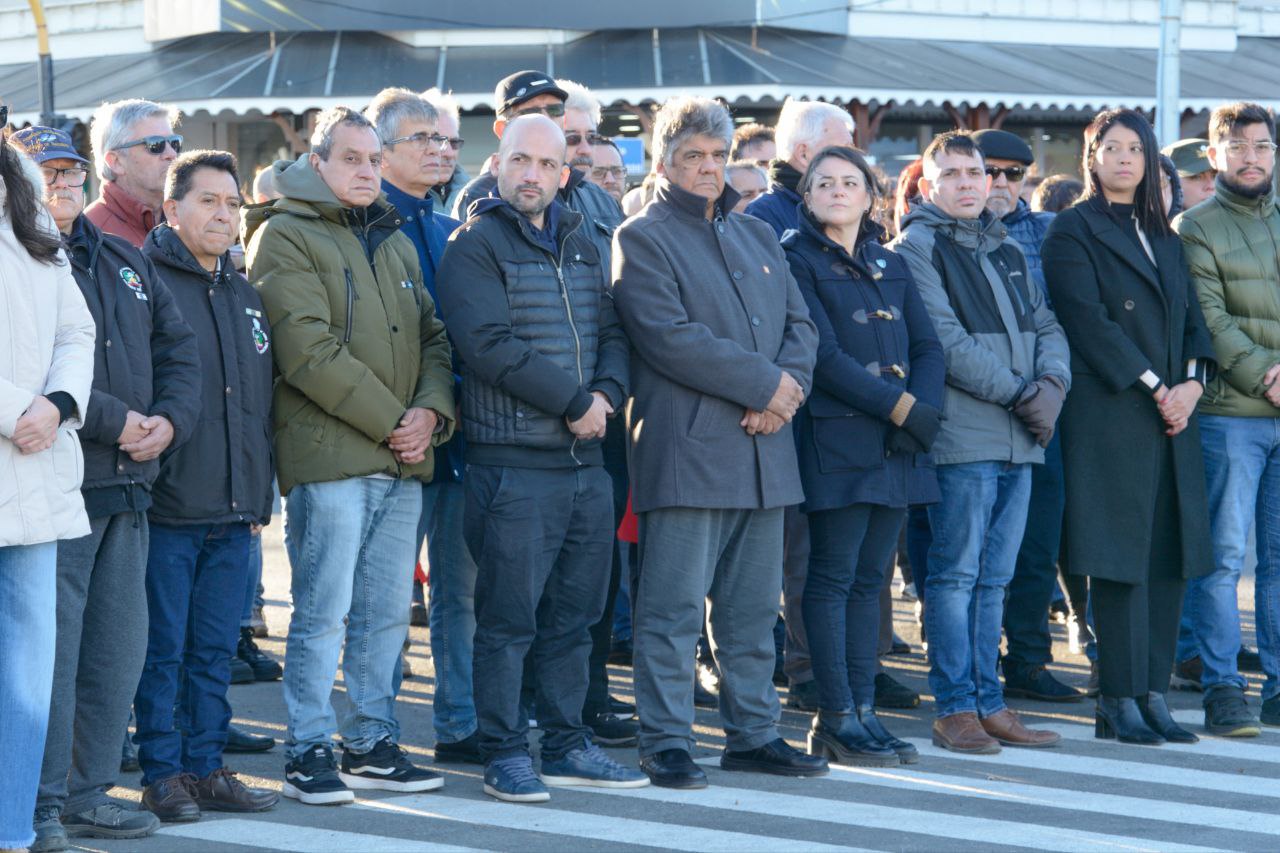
(46, 370)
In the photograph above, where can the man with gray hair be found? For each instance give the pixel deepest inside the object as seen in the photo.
(364, 392)
(804, 128)
(133, 144)
(448, 123)
(723, 357)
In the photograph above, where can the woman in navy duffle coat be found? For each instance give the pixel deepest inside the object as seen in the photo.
(863, 441)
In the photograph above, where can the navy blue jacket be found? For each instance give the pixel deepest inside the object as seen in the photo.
(1027, 227)
(429, 230)
(870, 319)
(781, 204)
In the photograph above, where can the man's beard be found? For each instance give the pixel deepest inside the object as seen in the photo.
(1246, 190)
(530, 208)
(1003, 204)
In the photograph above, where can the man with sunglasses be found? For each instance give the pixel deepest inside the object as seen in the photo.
(145, 399)
(1035, 575)
(133, 145)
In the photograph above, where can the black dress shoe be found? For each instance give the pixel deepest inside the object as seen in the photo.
(242, 741)
(1120, 718)
(673, 768)
(241, 672)
(465, 751)
(777, 757)
(1155, 712)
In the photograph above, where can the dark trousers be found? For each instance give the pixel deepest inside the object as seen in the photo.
(615, 465)
(851, 551)
(195, 591)
(919, 538)
(795, 566)
(1035, 575)
(1137, 624)
(540, 539)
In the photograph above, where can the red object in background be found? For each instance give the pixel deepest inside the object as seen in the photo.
(418, 574)
(629, 529)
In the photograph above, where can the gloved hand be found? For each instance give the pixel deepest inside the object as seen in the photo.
(900, 441)
(923, 424)
(1039, 406)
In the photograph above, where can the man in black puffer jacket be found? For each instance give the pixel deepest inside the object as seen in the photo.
(544, 363)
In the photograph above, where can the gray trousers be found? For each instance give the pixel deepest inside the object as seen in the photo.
(102, 643)
(731, 559)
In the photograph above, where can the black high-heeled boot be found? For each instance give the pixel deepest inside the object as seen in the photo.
(907, 753)
(1155, 712)
(841, 737)
(1121, 718)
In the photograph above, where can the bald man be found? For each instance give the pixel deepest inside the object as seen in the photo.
(544, 364)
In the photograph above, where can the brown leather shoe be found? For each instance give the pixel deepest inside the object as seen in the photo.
(963, 733)
(1009, 730)
(171, 800)
(221, 791)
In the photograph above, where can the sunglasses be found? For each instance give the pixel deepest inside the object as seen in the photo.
(573, 139)
(1012, 173)
(154, 144)
(553, 110)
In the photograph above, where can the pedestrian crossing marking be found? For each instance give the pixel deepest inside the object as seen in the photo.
(270, 835)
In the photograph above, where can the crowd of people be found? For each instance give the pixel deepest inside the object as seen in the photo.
(762, 367)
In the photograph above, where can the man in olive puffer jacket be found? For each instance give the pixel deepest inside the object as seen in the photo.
(1232, 244)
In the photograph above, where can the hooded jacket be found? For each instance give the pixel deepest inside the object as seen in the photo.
(145, 360)
(1232, 244)
(223, 473)
(357, 341)
(997, 331)
(780, 204)
(536, 333)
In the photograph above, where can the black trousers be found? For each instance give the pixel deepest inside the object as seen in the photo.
(1137, 624)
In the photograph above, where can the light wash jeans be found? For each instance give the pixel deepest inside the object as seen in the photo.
(28, 630)
(351, 549)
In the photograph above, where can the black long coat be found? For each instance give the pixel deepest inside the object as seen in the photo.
(1122, 318)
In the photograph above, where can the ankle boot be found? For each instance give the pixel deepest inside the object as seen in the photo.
(1155, 713)
(1121, 718)
(840, 736)
(907, 753)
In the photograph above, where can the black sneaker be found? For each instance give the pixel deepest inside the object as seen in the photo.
(386, 767)
(609, 730)
(1270, 715)
(110, 820)
(1036, 682)
(1226, 713)
(622, 710)
(465, 751)
(264, 668)
(313, 779)
(891, 693)
(803, 696)
(241, 672)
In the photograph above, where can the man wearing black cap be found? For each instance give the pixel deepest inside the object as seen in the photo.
(1191, 159)
(1035, 575)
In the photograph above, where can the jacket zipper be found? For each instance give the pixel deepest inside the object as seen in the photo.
(351, 306)
(557, 262)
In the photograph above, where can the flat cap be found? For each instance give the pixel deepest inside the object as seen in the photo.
(1003, 145)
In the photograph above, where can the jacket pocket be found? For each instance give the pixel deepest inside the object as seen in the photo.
(68, 461)
(854, 442)
(711, 417)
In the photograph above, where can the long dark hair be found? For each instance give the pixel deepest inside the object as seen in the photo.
(22, 208)
(1148, 205)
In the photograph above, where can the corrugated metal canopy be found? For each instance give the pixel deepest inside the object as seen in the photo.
(243, 73)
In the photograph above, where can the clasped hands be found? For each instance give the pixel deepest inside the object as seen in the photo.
(786, 401)
(1177, 403)
(411, 440)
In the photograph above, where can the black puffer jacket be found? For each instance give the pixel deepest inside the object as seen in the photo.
(534, 326)
(145, 361)
(223, 473)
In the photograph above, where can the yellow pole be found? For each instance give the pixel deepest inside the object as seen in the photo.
(44, 67)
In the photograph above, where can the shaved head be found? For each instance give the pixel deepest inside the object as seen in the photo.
(524, 130)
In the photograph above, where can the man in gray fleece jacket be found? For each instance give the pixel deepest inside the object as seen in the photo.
(1007, 376)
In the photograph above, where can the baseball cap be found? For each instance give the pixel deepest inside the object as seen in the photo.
(1190, 156)
(46, 143)
(523, 86)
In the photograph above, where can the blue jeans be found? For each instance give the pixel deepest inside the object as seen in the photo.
(977, 528)
(351, 550)
(1242, 473)
(253, 580)
(195, 587)
(28, 631)
(452, 608)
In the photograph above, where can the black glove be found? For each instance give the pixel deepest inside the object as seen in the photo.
(922, 423)
(1039, 406)
(900, 441)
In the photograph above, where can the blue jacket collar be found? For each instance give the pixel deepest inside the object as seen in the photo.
(408, 205)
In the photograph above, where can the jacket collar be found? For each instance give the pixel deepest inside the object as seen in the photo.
(783, 174)
(691, 205)
(165, 247)
(1263, 205)
(984, 234)
(408, 205)
(1097, 214)
(560, 222)
(871, 232)
(126, 207)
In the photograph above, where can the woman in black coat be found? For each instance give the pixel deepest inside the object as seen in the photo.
(1137, 521)
(863, 439)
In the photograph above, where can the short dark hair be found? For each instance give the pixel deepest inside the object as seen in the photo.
(952, 142)
(748, 134)
(1148, 205)
(182, 171)
(850, 155)
(1056, 193)
(1228, 118)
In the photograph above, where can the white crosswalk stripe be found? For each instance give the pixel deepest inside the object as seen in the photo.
(303, 839)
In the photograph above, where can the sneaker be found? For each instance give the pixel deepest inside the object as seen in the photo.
(51, 836)
(241, 672)
(1248, 660)
(313, 779)
(1187, 675)
(612, 731)
(512, 780)
(386, 767)
(110, 820)
(264, 668)
(622, 710)
(258, 622)
(590, 767)
(891, 693)
(465, 751)
(1270, 715)
(1227, 713)
(803, 696)
(1036, 682)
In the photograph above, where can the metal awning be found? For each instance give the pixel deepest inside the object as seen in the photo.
(245, 73)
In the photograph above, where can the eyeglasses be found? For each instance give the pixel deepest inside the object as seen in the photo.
(1011, 173)
(154, 144)
(420, 141)
(602, 172)
(553, 110)
(573, 139)
(1262, 149)
(456, 142)
(75, 175)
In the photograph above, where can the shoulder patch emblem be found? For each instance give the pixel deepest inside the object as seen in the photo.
(133, 281)
(260, 341)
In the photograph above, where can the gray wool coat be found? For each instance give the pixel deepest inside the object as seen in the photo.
(714, 317)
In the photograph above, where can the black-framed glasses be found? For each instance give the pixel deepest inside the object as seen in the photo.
(573, 139)
(75, 175)
(552, 110)
(420, 141)
(154, 144)
(602, 172)
(1012, 173)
